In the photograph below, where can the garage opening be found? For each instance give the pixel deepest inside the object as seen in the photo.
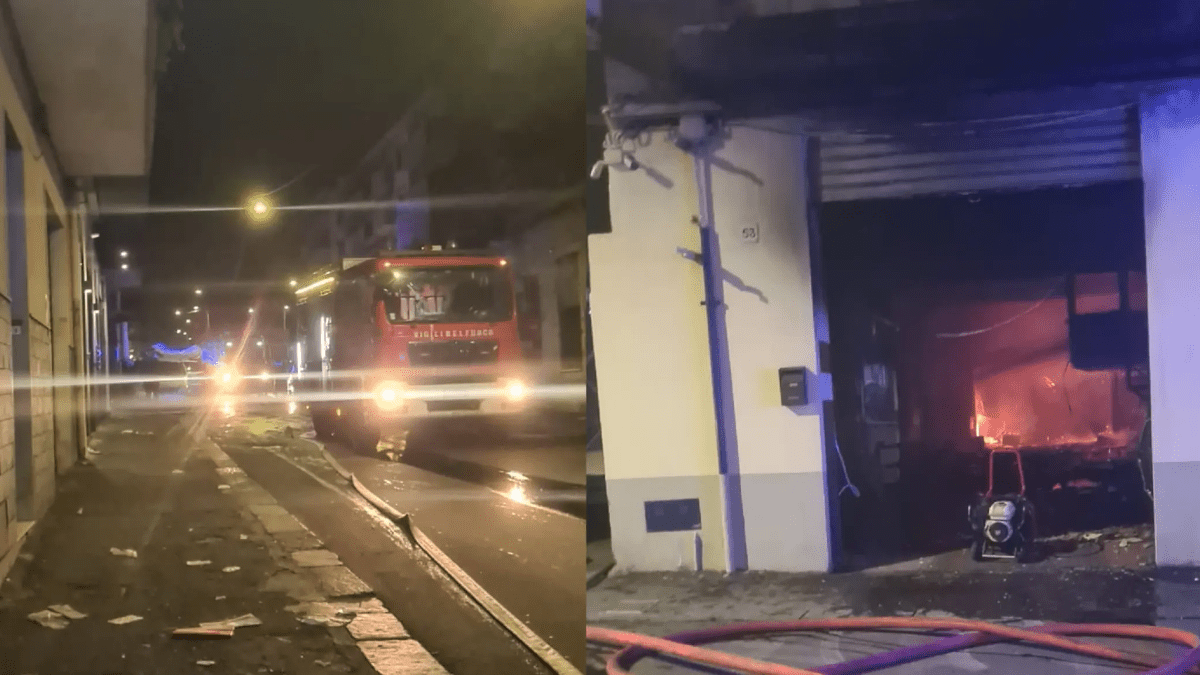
(966, 326)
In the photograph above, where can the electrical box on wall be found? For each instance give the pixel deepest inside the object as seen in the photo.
(793, 386)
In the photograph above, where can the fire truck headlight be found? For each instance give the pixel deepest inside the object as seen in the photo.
(227, 377)
(515, 390)
(389, 395)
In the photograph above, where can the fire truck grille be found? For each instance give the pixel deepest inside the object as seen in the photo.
(453, 353)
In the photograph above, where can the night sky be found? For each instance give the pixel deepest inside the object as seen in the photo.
(268, 90)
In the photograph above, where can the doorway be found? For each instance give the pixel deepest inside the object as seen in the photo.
(18, 288)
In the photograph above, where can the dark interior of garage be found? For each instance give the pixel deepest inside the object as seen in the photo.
(965, 324)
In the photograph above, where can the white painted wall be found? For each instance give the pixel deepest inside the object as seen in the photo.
(1171, 172)
(652, 354)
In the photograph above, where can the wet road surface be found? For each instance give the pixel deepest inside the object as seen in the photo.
(516, 537)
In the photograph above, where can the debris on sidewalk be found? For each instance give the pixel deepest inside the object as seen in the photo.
(231, 568)
(202, 633)
(322, 614)
(243, 621)
(198, 563)
(68, 611)
(177, 471)
(211, 630)
(123, 552)
(50, 619)
(223, 487)
(206, 663)
(122, 620)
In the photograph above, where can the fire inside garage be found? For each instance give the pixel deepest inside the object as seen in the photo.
(968, 332)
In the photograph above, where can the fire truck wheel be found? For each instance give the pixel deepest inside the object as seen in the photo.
(322, 425)
(362, 436)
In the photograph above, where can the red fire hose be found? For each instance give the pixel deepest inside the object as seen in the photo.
(972, 634)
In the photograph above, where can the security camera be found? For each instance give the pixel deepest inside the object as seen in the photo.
(598, 170)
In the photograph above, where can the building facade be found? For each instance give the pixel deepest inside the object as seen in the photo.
(829, 215)
(63, 145)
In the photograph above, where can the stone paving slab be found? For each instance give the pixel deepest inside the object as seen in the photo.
(377, 627)
(340, 582)
(400, 657)
(316, 558)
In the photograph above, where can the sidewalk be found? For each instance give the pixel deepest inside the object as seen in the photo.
(209, 545)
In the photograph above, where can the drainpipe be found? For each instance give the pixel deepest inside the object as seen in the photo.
(695, 138)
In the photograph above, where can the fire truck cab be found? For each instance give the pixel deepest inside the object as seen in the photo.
(382, 343)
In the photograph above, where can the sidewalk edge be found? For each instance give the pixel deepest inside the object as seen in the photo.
(380, 664)
(557, 662)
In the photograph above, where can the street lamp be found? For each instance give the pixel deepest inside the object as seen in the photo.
(259, 208)
(178, 312)
(124, 254)
(124, 266)
(251, 310)
(292, 283)
(199, 291)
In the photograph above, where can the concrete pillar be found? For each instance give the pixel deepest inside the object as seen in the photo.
(1170, 126)
(764, 506)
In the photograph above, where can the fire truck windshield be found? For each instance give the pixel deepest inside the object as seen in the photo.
(445, 294)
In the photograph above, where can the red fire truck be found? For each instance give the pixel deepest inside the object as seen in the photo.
(382, 343)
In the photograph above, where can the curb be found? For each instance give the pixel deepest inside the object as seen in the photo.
(388, 655)
(556, 662)
(596, 578)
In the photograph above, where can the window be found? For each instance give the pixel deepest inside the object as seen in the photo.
(445, 294)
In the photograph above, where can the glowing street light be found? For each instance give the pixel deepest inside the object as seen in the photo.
(178, 313)
(228, 344)
(188, 321)
(124, 266)
(251, 310)
(292, 283)
(179, 331)
(124, 254)
(259, 208)
(258, 344)
(199, 291)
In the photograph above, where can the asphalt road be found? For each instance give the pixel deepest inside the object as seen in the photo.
(519, 531)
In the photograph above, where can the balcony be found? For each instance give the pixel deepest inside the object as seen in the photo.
(93, 66)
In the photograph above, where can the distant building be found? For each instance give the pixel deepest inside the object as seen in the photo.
(394, 170)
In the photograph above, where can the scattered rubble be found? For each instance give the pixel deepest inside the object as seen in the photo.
(202, 633)
(127, 619)
(50, 619)
(123, 552)
(243, 621)
(68, 611)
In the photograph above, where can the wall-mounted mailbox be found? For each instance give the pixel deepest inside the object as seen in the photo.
(793, 386)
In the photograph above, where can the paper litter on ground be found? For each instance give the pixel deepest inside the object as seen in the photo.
(243, 536)
(198, 563)
(231, 568)
(69, 612)
(223, 487)
(49, 619)
(243, 621)
(122, 620)
(177, 471)
(202, 633)
(123, 552)
(206, 663)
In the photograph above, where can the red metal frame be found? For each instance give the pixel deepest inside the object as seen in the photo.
(992, 469)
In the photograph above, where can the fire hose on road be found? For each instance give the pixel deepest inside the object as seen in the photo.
(684, 646)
